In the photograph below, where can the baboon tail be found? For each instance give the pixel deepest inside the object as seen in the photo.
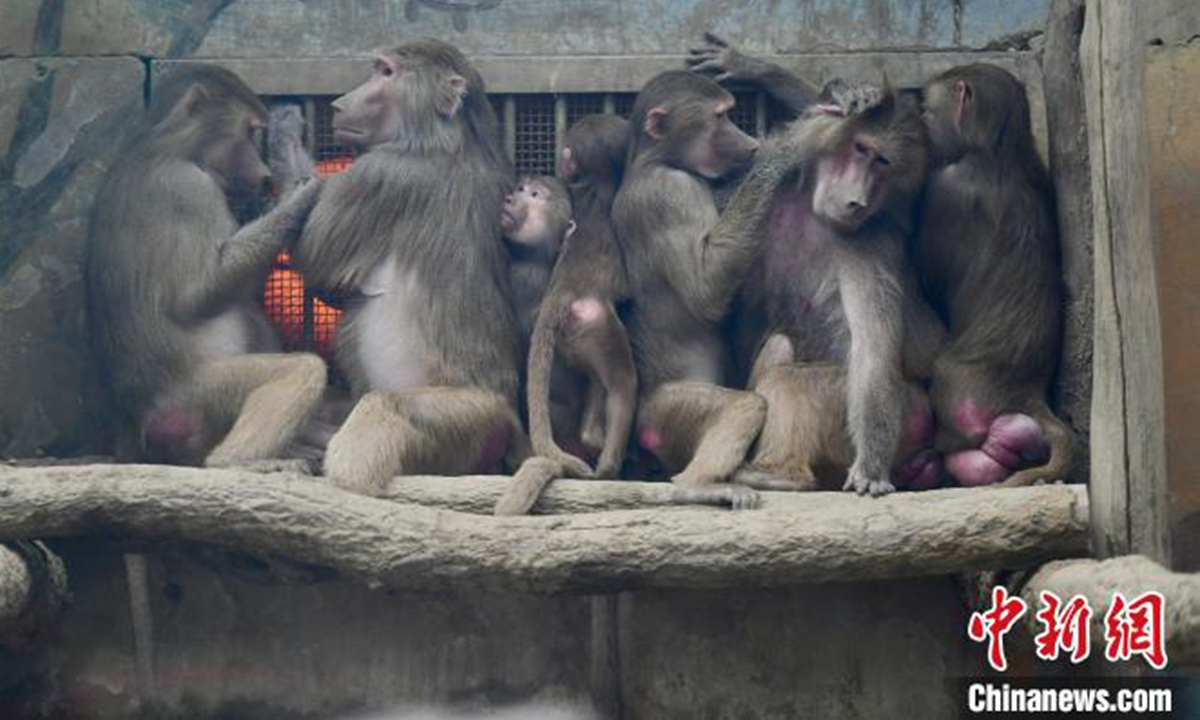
(1061, 439)
(526, 486)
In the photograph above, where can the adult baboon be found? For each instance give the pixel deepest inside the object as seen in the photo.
(412, 231)
(834, 194)
(682, 277)
(173, 283)
(988, 257)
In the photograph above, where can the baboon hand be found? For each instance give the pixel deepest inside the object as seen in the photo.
(841, 98)
(865, 483)
(722, 62)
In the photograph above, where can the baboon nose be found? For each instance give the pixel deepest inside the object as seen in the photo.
(855, 206)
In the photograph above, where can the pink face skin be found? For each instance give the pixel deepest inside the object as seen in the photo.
(849, 184)
(525, 218)
(369, 114)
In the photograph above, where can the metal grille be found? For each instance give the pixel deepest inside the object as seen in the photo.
(331, 157)
(535, 135)
(581, 104)
(745, 112)
(623, 103)
(304, 321)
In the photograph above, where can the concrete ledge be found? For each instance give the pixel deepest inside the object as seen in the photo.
(793, 539)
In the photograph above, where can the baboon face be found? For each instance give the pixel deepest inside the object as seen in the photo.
(535, 214)
(874, 160)
(233, 159)
(851, 183)
(717, 146)
(402, 96)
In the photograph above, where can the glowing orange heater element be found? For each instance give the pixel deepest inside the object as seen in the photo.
(304, 321)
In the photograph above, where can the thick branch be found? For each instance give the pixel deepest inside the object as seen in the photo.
(33, 585)
(795, 538)
(1131, 575)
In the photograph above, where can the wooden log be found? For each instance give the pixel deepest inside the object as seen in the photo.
(33, 585)
(1070, 170)
(479, 494)
(1131, 575)
(1129, 481)
(794, 538)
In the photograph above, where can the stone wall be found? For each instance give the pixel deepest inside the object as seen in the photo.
(230, 644)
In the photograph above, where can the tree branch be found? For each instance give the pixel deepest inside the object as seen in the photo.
(1131, 575)
(795, 538)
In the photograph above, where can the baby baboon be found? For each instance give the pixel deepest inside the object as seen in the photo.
(173, 283)
(579, 317)
(536, 221)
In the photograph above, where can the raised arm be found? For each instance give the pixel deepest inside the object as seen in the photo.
(715, 57)
(240, 259)
(722, 257)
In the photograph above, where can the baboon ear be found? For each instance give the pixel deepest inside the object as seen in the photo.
(964, 96)
(571, 226)
(656, 122)
(187, 104)
(452, 96)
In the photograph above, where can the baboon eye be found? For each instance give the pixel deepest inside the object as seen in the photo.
(387, 71)
(534, 193)
(882, 160)
(860, 148)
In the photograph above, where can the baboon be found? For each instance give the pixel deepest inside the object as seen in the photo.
(834, 193)
(987, 254)
(173, 283)
(579, 316)
(410, 231)
(536, 221)
(682, 277)
(580, 313)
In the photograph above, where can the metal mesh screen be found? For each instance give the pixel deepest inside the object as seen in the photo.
(580, 104)
(331, 157)
(535, 135)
